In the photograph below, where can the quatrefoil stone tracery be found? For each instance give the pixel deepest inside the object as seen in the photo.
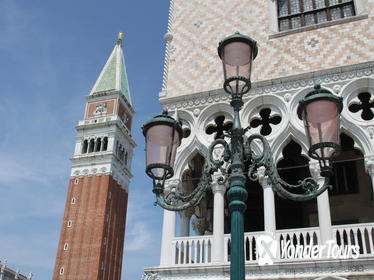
(265, 120)
(221, 126)
(364, 103)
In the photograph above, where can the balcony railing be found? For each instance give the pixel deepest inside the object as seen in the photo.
(193, 250)
(197, 250)
(356, 234)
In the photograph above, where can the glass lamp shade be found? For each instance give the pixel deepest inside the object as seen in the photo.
(320, 111)
(237, 53)
(163, 135)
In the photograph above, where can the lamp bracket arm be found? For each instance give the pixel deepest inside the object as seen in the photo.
(178, 201)
(308, 187)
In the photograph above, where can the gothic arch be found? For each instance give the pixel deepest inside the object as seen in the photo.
(362, 142)
(356, 86)
(292, 166)
(188, 121)
(189, 177)
(186, 154)
(286, 137)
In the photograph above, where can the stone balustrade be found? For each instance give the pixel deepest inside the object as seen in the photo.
(198, 250)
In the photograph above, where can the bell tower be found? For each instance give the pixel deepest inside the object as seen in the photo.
(93, 228)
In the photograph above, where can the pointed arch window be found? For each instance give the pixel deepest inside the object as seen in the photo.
(91, 146)
(351, 196)
(345, 179)
(98, 145)
(85, 146)
(294, 14)
(293, 167)
(105, 143)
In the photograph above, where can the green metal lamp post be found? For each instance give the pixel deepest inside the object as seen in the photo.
(320, 111)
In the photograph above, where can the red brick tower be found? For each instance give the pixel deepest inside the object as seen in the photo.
(92, 234)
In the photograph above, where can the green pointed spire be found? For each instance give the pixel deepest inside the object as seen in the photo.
(113, 77)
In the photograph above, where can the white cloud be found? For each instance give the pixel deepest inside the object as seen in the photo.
(139, 237)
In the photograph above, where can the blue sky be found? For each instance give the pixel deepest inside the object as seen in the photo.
(51, 53)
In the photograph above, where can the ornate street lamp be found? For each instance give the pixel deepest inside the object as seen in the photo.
(163, 135)
(237, 53)
(319, 110)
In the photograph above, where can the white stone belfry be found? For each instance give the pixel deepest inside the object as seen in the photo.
(104, 142)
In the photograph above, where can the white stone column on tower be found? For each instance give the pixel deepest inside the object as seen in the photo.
(218, 189)
(369, 164)
(323, 205)
(168, 230)
(269, 204)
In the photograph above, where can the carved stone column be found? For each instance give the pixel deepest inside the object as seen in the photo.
(323, 205)
(369, 164)
(168, 230)
(218, 188)
(269, 204)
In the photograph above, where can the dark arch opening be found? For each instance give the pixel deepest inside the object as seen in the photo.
(85, 146)
(92, 146)
(254, 214)
(98, 145)
(105, 143)
(292, 168)
(351, 198)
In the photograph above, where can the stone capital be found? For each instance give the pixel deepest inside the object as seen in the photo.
(315, 169)
(173, 185)
(219, 183)
(369, 164)
(218, 188)
(262, 178)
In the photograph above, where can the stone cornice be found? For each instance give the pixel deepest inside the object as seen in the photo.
(274, 86)
(287, 270)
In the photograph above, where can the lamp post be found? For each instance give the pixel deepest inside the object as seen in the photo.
(320, 111)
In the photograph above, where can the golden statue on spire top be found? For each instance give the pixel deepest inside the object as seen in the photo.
(120, 35)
